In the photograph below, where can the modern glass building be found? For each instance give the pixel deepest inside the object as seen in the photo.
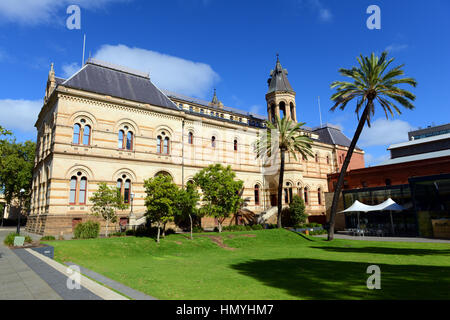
(426, 201)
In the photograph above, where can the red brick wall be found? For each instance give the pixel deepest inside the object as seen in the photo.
(356, 162)
(397, 173)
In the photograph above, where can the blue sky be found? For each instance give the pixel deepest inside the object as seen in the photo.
(192, 46)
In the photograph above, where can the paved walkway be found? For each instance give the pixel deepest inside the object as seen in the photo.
(17, 280)
(129, 292)
(395, 239)
(27, 275)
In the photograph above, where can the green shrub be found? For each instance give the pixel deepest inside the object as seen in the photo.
(9, 240)
(48, 238)
(257, 227)
(87, 230)
(197, 229)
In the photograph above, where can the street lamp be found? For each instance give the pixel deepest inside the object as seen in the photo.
(22, 192)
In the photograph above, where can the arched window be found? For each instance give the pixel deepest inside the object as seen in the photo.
(293, 115)
(288, 193)
(328, 159)
(158, 144)
(78, 189)
(121, 135)
(317, 157)
(305, 195)
(73, 190)
(282, 107)
(257, 195)
(166, 145)
(213, 142)
(124, 188)
(191, 109)
(319, 196)
(235, 143)
(87, 135)
(190, 138)
(130, 140)
(76, 133)
(82, 192)
(127, 191)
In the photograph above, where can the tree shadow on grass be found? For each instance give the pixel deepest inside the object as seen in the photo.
(325, 279)
(381, 250)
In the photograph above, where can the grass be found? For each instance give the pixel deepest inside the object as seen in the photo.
(271, 264)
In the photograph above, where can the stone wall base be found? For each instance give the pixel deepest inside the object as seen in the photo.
(64, 225)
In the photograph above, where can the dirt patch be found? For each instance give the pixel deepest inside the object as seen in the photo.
(219, 241)
(178, 242)
(248, 235)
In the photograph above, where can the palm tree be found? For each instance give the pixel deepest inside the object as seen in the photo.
(291, 140)
(371, 83)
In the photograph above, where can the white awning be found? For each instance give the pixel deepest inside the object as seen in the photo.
(388, 205)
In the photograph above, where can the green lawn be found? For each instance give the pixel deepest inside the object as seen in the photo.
(273, 264)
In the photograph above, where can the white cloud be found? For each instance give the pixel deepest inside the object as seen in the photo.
(33, 12)
(324, 13)
(19, 114)
(371, 160)
(70, 69)
(395, 47)
(167, 72)
(385, 132)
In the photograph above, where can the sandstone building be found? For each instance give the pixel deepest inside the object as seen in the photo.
(110, 124)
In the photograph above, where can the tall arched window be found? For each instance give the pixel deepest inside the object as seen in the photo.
(319, 196)
(190, 138)
(124, 188)
(328, 159)
(235, 143)
(282, 107)
(213, 142)
(166, 145)
(121, 135)
(73, 190)
(305, 195)
(87, 135)
(76, 133)
(82, 192)
(317, 157)
(81, 133)
(257, 195)
(127, 191)
(129, 140)
(288, 193)
(125, 139)
(78, 189)
(159, 144)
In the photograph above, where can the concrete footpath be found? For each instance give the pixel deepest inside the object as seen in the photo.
(28, 275)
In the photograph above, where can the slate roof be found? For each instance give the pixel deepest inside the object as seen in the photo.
(278, 80)
(118, 82)
(332, 135)
(209, 105)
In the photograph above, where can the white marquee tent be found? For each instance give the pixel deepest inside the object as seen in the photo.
(388, 205)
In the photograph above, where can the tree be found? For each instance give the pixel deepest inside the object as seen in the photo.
(297, 211)
(220, 192)
(186, 203)
(371, 83)
(16, 169)
(160, 201)
(291, 140)
(106, 201)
